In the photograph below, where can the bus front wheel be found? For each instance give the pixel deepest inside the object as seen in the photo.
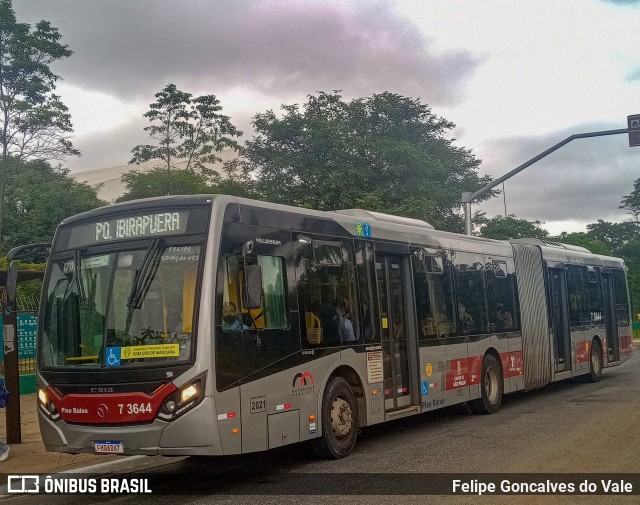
(491, 387)
(339, 420)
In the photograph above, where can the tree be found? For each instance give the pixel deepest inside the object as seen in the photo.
(510, 227)
(34, 123)
(614, 235)
(630, 252)
(38, 198)
(157, 182)
(386, 153)
(160, 182)
(186, 129)
(631, 202)
(585, 240)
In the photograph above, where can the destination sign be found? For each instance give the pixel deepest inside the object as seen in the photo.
(130, 227)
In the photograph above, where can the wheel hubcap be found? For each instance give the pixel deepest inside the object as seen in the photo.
(596, 366)
(341, 417)
(491, 385)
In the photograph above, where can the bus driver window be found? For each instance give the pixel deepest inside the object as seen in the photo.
(272, 312)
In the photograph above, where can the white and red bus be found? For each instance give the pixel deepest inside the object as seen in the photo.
(214, 325)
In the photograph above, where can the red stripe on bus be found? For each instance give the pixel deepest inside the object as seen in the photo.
(466, 372)
(582, 352)
(115, 408)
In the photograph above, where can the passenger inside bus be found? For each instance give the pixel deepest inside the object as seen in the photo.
(427, 327)
(503, 320)
(331, 324)
(346, 326)
(436, 326)
(466, 320)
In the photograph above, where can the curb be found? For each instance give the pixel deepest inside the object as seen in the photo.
(131, 463)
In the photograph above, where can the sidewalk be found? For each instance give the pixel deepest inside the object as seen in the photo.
(30, 456)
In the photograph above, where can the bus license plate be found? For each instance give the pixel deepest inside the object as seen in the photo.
(108, 447)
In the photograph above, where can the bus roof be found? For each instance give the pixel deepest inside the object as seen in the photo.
(383, 226)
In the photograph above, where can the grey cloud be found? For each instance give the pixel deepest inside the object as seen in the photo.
(107, 149)
(131, 49)
(583, 181)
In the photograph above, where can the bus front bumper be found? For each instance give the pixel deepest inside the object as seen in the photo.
(194, 433)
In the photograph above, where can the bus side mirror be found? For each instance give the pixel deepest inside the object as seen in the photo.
(252, 287)
(12, 281)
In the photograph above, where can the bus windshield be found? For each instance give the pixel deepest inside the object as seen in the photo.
(129, 308)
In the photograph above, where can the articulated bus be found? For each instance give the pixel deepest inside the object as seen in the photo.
(216, 325)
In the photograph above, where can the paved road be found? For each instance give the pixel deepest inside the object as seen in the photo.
(565, 427)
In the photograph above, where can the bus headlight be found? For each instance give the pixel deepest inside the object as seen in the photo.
(47, 406)
(188, 393)
(182, 400)
(42, 396)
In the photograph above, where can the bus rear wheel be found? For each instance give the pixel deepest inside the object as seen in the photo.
(491, 387)
(595, 362)
(339, 420)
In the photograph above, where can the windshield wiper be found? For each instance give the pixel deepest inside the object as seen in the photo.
(143, 279)
(76, 280)
(84, 303)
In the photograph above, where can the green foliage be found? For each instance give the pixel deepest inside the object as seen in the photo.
(585, 240)
(38, 198)
(4, 265)
(34, 123)
(614, 235)
(160, 182)
(187, 129)
(510, 227)
(631, 254)
(631, 202)
(385, 153)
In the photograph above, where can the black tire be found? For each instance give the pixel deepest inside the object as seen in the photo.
(339, 420)
(491, 387)
(595, 362)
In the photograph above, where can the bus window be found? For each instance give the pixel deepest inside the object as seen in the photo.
(578, 308)
(252, 338)
(434, 300)
(272, 314)
(366, 283)
(109, 303)
(594, 295)
(622, 301)
(471, 294)
(501, 296)
(326, 292)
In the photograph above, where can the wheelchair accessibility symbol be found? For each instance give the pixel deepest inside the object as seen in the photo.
(113, 356)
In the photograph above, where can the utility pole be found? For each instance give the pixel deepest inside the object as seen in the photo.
(467, 198)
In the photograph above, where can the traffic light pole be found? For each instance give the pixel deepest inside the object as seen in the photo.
(467, 198)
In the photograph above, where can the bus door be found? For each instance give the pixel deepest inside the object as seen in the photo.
(611, 324)
(393, 328)
(560, 319)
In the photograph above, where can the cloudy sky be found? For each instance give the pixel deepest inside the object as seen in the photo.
(515, 76)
